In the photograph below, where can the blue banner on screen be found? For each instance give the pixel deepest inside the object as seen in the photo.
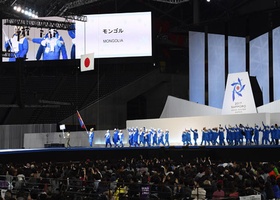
(108, 35)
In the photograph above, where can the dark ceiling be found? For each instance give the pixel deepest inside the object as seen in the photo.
(233, 17)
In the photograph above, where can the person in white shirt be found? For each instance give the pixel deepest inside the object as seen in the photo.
(198, 193)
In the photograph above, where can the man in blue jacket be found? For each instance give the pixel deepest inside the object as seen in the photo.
(51, 46)
(17, 44)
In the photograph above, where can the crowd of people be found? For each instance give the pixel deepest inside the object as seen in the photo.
(227, 135)
(137, 137)
(140, 178)
(235, 135)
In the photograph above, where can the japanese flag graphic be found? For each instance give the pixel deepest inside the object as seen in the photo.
(87, 62)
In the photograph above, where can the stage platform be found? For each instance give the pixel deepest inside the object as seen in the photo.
(262, 153)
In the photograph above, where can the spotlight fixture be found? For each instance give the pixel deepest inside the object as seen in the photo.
(26, 11)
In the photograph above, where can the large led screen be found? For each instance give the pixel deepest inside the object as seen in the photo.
(115, 35)
(105, 35)
(37, 44)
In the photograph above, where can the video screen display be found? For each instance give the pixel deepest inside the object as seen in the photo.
(115, 35)
(35, 43)
(105, 35)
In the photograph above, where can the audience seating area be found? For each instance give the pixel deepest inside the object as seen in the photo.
(141, 178)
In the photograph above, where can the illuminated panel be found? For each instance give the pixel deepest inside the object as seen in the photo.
(236, 54)
(276, 63)
(216, 70)
(197, 67)
(259, 63)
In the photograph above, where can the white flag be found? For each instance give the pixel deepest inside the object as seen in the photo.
(87, 62)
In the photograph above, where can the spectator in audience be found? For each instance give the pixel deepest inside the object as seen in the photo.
(207, 186)
(182, 189)
(233, 193)
(275, 187)
(219, 193)
(162, 178)
(198, 193)
(145, 188)
(133, 188)
(268, 190)
(8, 195)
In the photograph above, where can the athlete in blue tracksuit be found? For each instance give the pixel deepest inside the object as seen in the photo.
(154, 138)
(146, 134)
(239, 134)
(141, 137)
(17, 44)
(248, 134)
(184, 137)
(147, 137)
(205, 138)
(160, 136)
(116, 137)
(256, 134)
(108, 139)
(90, 136)
(214, 136)
(166, 138)
(195, 136)
(278, 133)
(72, 34)
(120, 138)
(130, 136)
(230, 132)
(274, 136)
(221, 133)
(136, 137)
(189, 139)
(51, 46)
(266, 133)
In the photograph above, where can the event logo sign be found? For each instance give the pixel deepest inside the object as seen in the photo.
(238, 98)
(238, 87)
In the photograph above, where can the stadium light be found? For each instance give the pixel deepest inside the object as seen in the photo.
(26, 11)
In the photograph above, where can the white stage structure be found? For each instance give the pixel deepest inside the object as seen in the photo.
(179, 114)
(238, 108)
